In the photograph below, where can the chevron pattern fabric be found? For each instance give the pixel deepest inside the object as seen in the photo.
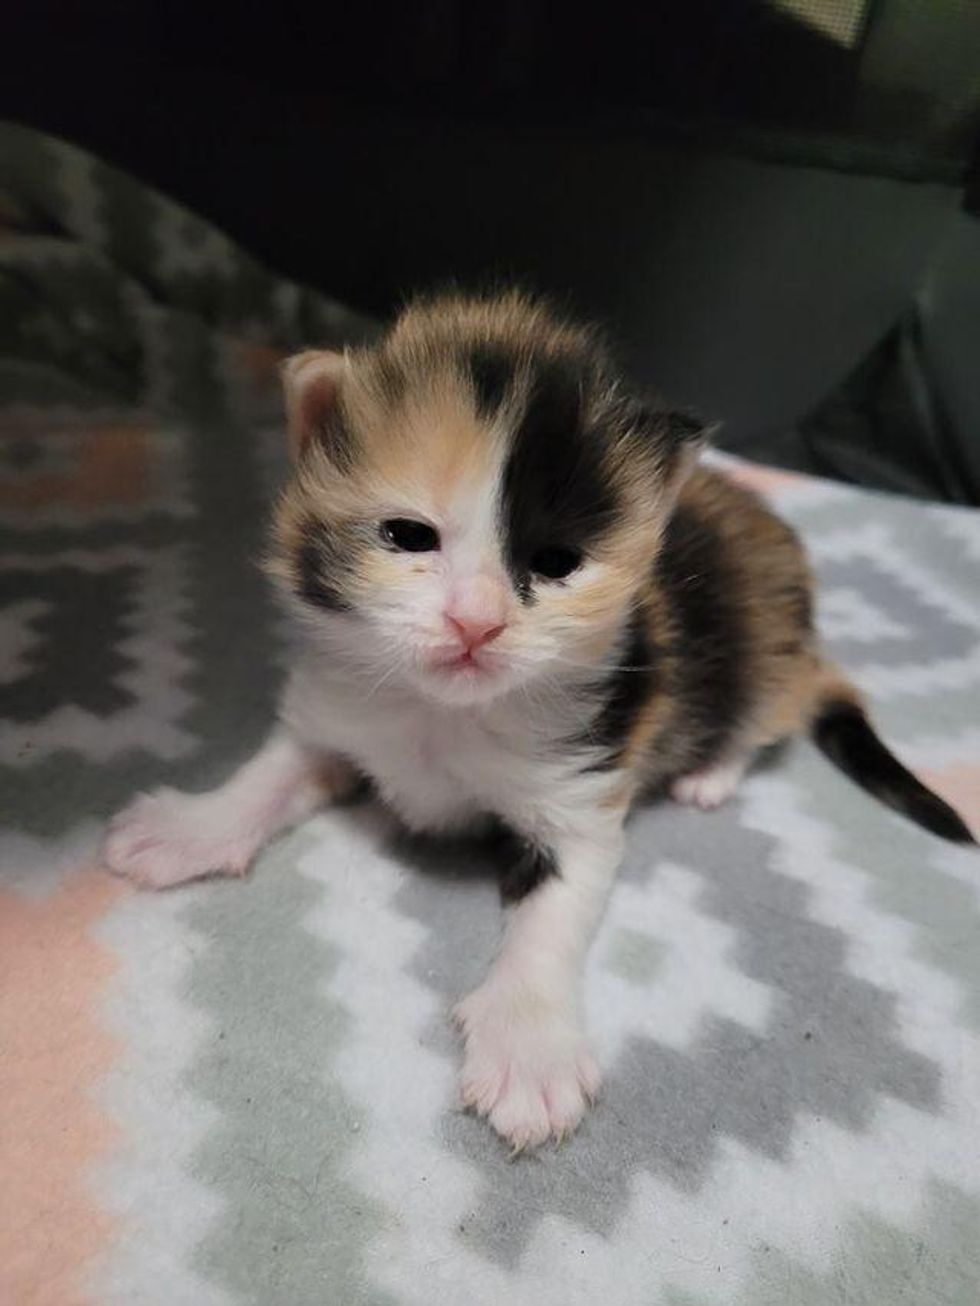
(242, 1093)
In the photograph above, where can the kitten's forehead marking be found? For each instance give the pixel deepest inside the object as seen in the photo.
(551, 484)
(492, 372)
(490, 437)
(557, 489)
(430, 446)
(436, 456)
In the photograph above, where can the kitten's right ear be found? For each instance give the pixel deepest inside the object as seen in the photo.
(312, 382)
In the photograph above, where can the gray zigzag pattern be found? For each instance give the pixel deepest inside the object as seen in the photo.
(933, 1264)
(902, 863)
(928, 627)
(293, 1227)
(830, 1050)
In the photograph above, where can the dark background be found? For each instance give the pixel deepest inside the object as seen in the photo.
(768, 205)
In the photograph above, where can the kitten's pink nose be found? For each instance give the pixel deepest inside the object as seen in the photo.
(477, 611)
(475, 634)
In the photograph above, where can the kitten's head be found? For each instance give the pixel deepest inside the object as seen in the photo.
(475, 503)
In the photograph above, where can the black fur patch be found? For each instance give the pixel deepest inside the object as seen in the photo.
(320, 564)
(491, 372)
(711, 645)
(524, 865)
(555, 492)
(680, 430)
(846, 736)
(630, 685)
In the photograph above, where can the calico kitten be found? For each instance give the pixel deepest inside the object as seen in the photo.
(520, 596)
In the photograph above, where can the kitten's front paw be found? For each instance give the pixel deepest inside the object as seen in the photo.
(166, 837)
(526, 1066)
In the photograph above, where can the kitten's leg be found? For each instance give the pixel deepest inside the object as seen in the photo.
(527, 1065)
(712, 785)
(166, 837)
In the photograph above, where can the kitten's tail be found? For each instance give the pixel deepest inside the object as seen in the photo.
(840, 728)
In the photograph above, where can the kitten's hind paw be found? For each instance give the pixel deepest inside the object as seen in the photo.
(709, 787)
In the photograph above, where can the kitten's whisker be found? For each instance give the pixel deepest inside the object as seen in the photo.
(398, 664)
(602, 668)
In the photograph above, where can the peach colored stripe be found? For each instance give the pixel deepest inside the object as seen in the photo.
(959, 784)
(112, 466)
(51, 975)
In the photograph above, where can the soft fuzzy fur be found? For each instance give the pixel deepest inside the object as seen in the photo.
(522, 598)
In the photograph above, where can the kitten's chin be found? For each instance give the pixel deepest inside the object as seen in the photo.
(464, 686)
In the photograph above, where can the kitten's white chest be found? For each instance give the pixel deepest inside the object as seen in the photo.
(430, 766)
(437, 767)
(440, 767)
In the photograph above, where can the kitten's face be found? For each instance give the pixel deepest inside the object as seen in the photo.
(473, 510)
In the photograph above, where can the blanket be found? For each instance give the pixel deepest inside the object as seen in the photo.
(243, 1092)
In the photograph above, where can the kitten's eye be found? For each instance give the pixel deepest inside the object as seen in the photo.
(411, 536)
(555, 564)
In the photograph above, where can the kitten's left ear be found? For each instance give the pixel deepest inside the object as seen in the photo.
(312, 382)
(685, 437)
(678, 438)
(684, 430)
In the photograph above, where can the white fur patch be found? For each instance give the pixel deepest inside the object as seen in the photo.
(709, 787)
(167, 837)
(527, 1066)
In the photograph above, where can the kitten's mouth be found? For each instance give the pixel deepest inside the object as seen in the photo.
(462, 663)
